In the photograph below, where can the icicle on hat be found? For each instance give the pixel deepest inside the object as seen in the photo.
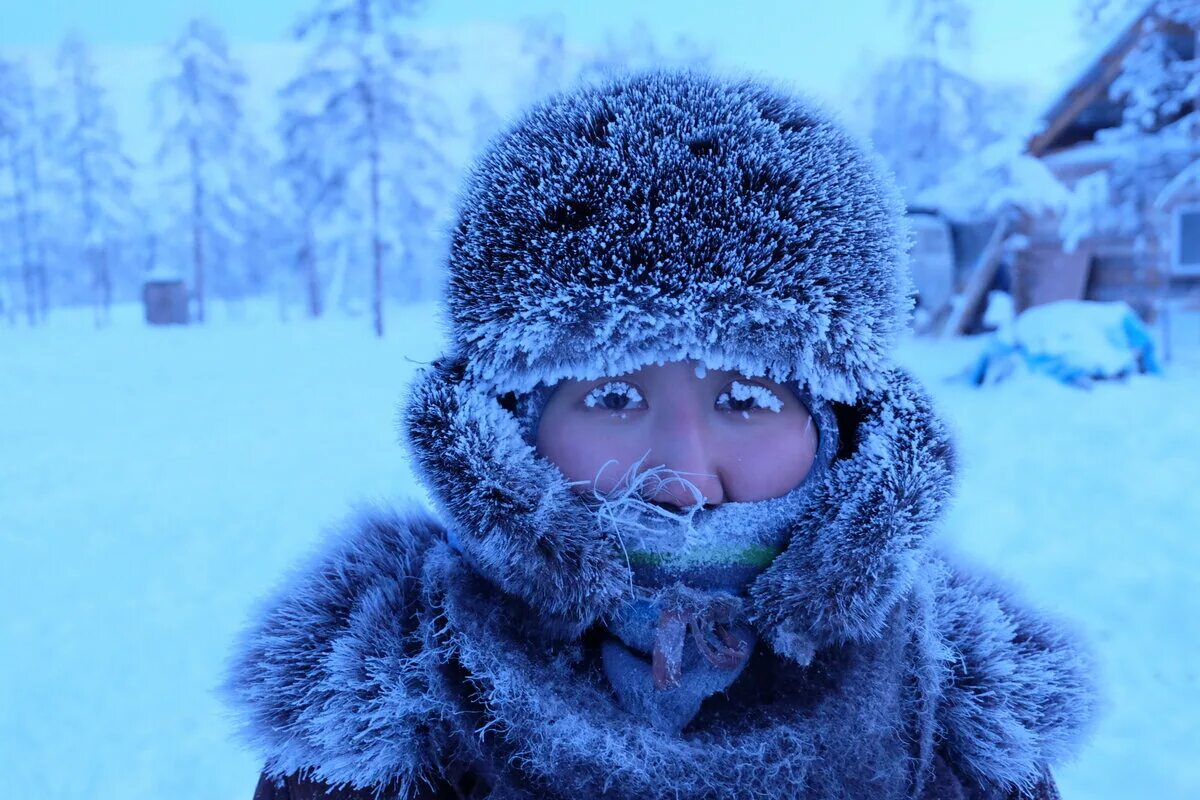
(660, 217)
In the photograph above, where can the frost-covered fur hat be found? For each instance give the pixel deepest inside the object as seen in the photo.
(676, 215)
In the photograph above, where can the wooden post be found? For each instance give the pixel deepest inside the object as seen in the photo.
(980, 279)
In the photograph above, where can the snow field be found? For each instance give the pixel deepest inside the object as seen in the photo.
(153, 484)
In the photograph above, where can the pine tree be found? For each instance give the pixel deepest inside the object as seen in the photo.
(316, 190)
(97, 173)
(199, 107)
(258, 203)
(364, 95)
(22, 202)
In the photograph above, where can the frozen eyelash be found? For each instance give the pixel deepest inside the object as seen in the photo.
(596, 396)
(763, 397)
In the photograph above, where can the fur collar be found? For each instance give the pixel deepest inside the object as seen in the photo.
(387, 660)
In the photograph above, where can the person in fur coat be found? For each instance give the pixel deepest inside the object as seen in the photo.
(686, 500)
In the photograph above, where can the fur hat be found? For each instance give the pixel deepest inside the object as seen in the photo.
(674, 215)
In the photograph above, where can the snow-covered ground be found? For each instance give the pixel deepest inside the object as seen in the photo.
(154, 483)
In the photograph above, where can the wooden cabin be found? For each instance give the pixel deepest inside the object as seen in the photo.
(1133, 229)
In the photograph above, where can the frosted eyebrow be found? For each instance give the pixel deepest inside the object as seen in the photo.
(763, 397)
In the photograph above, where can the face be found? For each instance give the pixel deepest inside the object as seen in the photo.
(735, 438)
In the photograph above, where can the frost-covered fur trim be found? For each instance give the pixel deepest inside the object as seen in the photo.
(513, 513)
(852, 727)
(857, 545)
(675, 215)
(1021, 689)
(856, 537)
(335, 677)
(389, 659)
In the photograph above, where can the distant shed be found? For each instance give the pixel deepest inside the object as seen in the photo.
(954, 264)
(165, 300)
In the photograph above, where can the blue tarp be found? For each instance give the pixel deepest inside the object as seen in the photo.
(1073, 341)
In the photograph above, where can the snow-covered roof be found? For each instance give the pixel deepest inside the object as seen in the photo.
(1092, 76)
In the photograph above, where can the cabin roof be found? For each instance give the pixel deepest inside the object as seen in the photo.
(1096, 73)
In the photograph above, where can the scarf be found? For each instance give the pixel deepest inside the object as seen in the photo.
(683, 634)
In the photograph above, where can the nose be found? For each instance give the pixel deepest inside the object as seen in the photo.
(683, 448)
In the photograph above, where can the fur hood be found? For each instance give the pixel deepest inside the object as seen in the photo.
(662, 217)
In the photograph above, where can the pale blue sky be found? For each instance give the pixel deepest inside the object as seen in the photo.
(818, 43)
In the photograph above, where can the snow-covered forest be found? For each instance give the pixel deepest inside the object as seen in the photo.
(334, 195)
(322, 173)
(157, 481)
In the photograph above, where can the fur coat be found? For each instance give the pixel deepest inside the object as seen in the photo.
(659, 217)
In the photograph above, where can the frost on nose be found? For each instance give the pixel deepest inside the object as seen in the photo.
(643, 482)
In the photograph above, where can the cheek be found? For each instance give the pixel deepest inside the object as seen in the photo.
(768, 460)
(581, 448)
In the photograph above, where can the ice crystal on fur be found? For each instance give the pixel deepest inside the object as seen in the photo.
(777, 249)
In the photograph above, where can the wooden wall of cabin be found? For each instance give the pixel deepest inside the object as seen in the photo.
(1042, 270)
(1098, 268)
(1132, 266)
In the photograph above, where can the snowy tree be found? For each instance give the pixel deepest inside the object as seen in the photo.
(260, 204)
(316, 183)
(96, 172)
(1160, 76)
(364, 98)
(1099, 17)
(198, 105)
(553, 67)
(1158, 91)
(926, 112)
(22, 202)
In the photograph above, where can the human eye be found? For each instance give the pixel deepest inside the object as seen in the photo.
(747, 396)
(615, 396)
